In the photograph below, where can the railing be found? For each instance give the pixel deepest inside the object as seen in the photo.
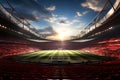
(15, 20)
(97, 22)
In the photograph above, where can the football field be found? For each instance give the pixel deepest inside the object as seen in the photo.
(57, 56)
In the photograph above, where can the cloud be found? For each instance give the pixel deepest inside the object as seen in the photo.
(67, 32)
(51, 8)
(62, 25)
(30, 10)
(48, 30)
(65, 22)
(75, 21)
(95, 5)
(85, 12)
(51, 19)
(62, 21)
(62, 18)
(56, 19)
(78, 14)
(80, 25)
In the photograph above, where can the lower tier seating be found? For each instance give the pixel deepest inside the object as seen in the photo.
(10, 70)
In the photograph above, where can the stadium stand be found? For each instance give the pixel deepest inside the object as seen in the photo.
(22, 71)
(107, 47)
(10, 43)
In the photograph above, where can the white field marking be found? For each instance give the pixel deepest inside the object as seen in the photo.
(59, 56)
(72, 53)
(52, 54)
(66, 56)
(55, 56)
(46, 53)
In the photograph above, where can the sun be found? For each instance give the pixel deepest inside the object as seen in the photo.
(61, 36)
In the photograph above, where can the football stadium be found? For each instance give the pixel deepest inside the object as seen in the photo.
(59, 40)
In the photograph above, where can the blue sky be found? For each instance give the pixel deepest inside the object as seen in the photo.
(66, 17)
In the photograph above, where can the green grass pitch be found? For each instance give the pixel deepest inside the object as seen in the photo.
(49, 56)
